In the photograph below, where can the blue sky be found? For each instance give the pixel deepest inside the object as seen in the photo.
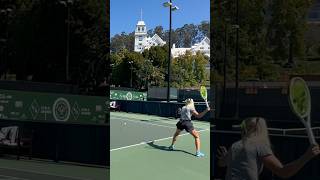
(124, 14)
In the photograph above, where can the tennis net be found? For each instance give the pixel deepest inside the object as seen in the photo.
(291, 132)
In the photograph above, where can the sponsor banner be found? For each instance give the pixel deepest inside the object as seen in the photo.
(22, 105)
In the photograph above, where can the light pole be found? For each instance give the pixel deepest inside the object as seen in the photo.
(171, 8)
(131, 62)
(149, 63)
(112, 66)
(67, 4)
(237, 60)
(290, 63)
(6, 12)
(225, 62)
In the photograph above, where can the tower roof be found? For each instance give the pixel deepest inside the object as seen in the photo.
(141, 23)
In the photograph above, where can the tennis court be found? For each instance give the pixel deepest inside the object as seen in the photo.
(138, 149)
(45, 170)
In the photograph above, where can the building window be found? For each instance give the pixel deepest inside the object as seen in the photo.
(201, 47)
(140, 44)
(140, 38)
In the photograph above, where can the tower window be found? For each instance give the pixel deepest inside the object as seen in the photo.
(140, 38)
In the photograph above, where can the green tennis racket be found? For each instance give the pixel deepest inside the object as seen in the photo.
(300, 103)
(204, 94)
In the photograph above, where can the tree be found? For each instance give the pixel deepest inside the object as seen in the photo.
(189, 70)
(288, 26)
(122, 41)
(159, 30)
(270, 33)
(38, 36)
(203, 31)
(199, 71)
(158, 55)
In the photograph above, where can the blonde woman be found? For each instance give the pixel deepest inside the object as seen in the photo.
(185, 124)
(246, 158)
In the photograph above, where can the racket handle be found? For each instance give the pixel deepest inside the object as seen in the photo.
(207, 103)
(310, 135)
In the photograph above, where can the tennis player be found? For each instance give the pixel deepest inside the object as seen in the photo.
(185, 124)
(246, 158)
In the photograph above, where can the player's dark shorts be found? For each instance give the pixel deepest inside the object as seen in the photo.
(185, 125)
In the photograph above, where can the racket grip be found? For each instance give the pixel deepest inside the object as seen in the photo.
(310, 135)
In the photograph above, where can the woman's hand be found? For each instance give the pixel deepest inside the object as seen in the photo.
(222, 154)
(312, 151)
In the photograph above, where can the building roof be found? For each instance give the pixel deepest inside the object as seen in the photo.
(141, 23)
(158, 39)
(181, 51)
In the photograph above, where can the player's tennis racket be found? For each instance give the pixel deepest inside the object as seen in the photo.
(204, 94)
(300, 103)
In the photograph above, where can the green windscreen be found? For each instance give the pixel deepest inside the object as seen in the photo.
(128, 95)
(34, 106)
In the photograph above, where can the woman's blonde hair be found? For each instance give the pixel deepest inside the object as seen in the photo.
(255, 128)
(190, 103)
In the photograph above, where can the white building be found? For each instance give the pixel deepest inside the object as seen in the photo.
(142, 41)
(203, 47)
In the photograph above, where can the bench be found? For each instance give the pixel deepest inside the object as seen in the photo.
(18, 139)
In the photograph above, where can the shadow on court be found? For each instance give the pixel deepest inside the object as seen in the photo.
(165, 148)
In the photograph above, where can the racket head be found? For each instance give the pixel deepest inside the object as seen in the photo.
(203, 92)
(299, 98)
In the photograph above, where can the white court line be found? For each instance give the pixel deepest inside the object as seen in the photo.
(149, 123)
(11, 178)
(37, 172)
(196, 122)
(133, 145)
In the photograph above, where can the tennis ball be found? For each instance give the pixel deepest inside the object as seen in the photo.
(124, 123)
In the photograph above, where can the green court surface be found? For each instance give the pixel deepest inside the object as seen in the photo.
(40, 170)
(138, 149)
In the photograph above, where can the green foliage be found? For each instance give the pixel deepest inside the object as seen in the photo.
(122, 41)
(189, 70)
(288, 25)
(200, 62)
(267, 28)
(37, 35)
(149, 69)
(268, 72)
(158, 55)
